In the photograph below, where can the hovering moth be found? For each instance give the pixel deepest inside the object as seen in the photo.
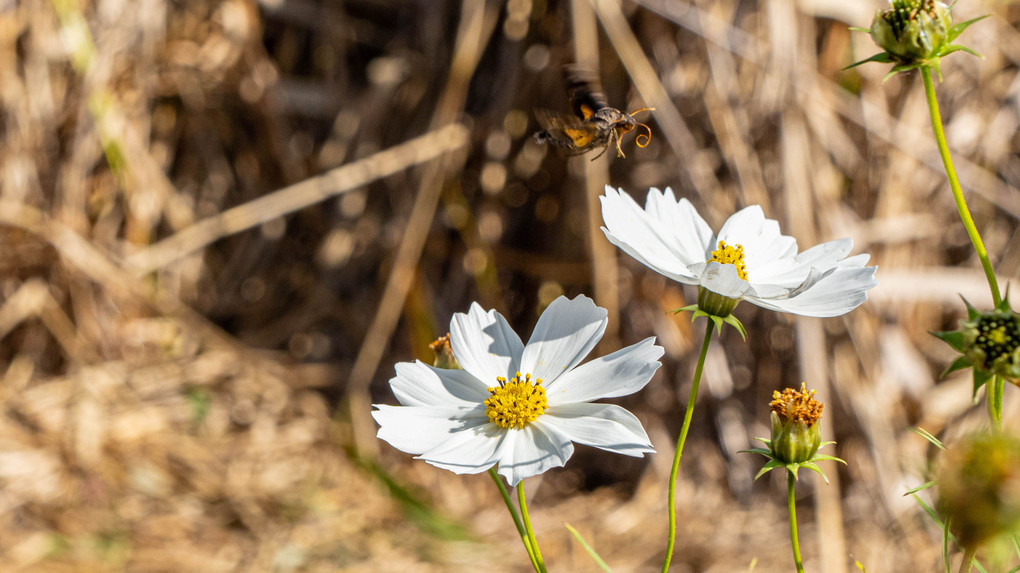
(594, 125)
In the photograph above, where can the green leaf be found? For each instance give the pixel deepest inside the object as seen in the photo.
(595, 556)
(921, 487)
(881, 57)
(928, 436)
(761, 451)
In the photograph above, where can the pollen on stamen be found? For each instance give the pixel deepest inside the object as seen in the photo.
(516, 403)
(728, 255)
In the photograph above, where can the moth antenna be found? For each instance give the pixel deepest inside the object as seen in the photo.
(641, 110)
(647, 136)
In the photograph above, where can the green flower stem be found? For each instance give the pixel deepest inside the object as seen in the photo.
(995, 389)
(536, 553)
(954, 184)
(791, 503)
(968, 560)
(513, 513)
(688, 413)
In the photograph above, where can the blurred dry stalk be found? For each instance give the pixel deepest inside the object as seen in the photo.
(212, 240)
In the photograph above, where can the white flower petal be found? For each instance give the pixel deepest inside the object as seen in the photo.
(536, 448)
(724, 280)
(763, 243)
(687, 233)
(471, 451)
(618, 374)
(415, 430)
(418, 384)
(641, 236)
(484, 344)
(605, 426)
(791, 271)
(566, 332)
(838, 293)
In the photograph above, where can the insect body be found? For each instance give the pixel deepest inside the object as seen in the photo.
(594, 125)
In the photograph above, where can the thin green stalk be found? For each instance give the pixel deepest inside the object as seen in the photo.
(954, 184)
(995, 389)
(513, 513)
(688, 413)
(968, 560)
(791, 503)
(538, 563)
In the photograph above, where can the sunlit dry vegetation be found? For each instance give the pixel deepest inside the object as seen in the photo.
(222, 223)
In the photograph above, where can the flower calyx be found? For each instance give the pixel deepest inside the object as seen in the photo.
(989, 343)
(716, 308)
(915, 34)
(796, 435)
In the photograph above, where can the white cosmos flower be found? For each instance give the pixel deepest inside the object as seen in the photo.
(515, 405)
(671, 238)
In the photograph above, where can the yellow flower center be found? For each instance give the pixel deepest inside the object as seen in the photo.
(516, 403)
(728, 255)
(797, 406)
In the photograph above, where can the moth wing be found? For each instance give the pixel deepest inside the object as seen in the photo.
(586, 96)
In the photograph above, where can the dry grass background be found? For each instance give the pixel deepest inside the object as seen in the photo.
(223, 222)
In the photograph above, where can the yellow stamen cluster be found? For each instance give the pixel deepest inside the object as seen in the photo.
(516, 403)
(797, 406)
(728, 255)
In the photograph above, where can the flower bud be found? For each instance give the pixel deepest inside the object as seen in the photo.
(444, 354)
(991, 342)
(979, 487)
(796, 435)
(912, 30)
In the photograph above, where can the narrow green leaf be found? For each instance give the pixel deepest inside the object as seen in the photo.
(921, 487)
(825, 458)
(595, 556)
(928, 436)
(956, 29)
(859, 29)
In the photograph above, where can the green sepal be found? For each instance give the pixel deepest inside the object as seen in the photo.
(921, 487)
(717, 320)
(956, 29)
(881, 57)
(960, 363)
(761, 451)
(858, 29)
(981, 378)
(814, 467)
(953, 338)
(771, 465)
(960, 48)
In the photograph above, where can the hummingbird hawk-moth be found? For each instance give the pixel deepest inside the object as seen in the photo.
(594, 125)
